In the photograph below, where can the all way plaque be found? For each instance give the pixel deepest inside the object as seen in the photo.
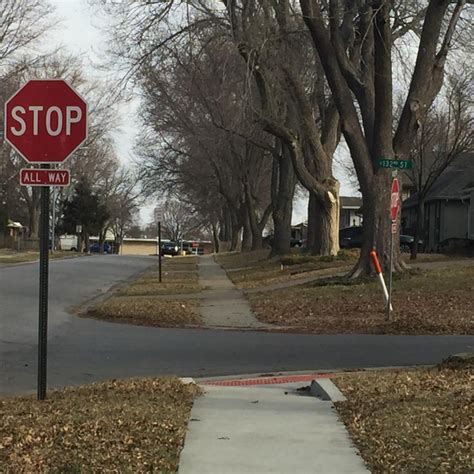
(44, 177)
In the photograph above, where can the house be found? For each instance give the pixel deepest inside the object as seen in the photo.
(13, 236)
(350, 214)
(299, 231)
(449, 205)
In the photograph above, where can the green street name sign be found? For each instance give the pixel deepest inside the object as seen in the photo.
(398, 164)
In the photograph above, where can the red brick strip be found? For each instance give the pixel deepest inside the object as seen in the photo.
(267, 380)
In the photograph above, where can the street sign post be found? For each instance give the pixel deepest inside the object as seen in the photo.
(394, 210)
(45, 122)
(158, 213)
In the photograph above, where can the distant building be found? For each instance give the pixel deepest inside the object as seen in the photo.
(350, 212)
(449, 205)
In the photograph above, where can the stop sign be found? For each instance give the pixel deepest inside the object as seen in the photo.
(45, 121)
(394, 199)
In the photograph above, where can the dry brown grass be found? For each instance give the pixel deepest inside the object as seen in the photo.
(410, 420)
(258, 270)
(172, 283)
(135, 425)
(232, 260)
(147, 311)
(10, 256)
(431, 302)
(179, 276)
(140, 303)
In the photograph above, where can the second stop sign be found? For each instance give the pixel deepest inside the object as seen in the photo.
(45, 121)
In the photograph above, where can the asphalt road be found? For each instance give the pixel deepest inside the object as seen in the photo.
(83, 350)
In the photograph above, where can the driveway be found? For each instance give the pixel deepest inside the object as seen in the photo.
(83, 350)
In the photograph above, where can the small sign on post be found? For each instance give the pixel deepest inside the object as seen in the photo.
(44, 177)
(158, 212)
(45, 122)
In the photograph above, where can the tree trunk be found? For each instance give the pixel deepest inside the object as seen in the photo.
(377, 227)
(326, 240)
(254, 224)
(283, 190)
(215, 237)
(225, 228)
(86, 242)
(325, 226)
(420, 222)
(313, 210)
(102, 240)
(246, 232)
(257, 239)
(33, 220)
(234, 231)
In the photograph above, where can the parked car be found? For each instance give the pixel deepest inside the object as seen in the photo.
(296, 243)
(351, 237)
(170, 248)
(407, 242)
(95, 248)
(68, 242)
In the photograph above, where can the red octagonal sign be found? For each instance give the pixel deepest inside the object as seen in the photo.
(394, 199)
(45, 121)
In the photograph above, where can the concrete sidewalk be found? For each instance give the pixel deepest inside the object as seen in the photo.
(266, 429)
(222, 304)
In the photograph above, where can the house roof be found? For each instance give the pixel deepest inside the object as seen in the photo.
(455, 183)
(350, 202)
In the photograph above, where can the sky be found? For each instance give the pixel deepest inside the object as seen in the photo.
(79, 33)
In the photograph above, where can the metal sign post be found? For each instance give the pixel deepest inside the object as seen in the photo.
(158, 213)
(43, 292)
(159, 251)
(390, 278)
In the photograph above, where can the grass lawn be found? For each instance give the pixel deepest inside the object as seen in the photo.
(147, 311)
(135, 425)
(254, 269)
(437, 301)
(410, 420)
(11, 256)
(176, 279)
(143, 302)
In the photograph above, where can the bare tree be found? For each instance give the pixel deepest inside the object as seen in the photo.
(22, 24)
(208, 143)
(354, 41)
(123, 206)
(446, 133)
(195, 37)
(179, 220)
(295, 106)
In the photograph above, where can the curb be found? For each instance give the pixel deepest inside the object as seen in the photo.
(187, 380)
(325, 390)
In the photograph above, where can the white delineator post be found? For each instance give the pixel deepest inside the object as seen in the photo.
(378, 271)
